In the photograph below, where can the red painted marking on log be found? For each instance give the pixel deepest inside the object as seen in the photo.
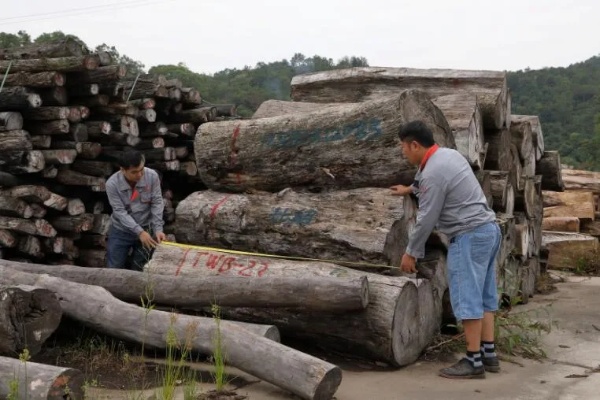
(181, 262)
(215, 208)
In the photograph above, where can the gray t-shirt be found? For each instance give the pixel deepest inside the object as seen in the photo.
(450, 198)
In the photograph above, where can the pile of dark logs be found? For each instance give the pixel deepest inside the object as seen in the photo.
(66, 115)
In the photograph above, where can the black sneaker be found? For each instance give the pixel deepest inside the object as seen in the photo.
(491, 364)
(463, 370)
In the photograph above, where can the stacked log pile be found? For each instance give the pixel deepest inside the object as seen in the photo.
(66, 115)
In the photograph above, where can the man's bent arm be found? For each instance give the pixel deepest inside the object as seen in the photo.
(157, 206)
(119, 212)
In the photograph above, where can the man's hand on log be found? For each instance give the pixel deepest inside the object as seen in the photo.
(401, 190)
(160, 236)
(147, 240)
(408, 264)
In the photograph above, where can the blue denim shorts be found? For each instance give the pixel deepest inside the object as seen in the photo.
(472, 271)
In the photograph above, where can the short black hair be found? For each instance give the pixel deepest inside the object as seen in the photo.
(416, 131)
(131, 159)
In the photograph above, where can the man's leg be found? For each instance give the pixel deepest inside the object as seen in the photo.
(141, 255)
(117, 248)
(490, 305)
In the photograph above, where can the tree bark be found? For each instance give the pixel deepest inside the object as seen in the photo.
(56, 96)
(305, 149)
(502, 192)
(36, 80)
(40, 381)
(46, 113)
(93, 168)
(38, 227)
(498, 155)
(69, 223)
(59, 156)
(578, 204)
(10, 121)
(530, 199)
(41, 142)
(18, 98)
(367, 83)
(561, 224)
(18, 140)
(98, 75)
(59, 64)
(57, 127)
(28, 193)
(536, 132)
(371, 227)
(549, 167)
(67, 47)
(92, 305)
(522, 137)
(14, 207)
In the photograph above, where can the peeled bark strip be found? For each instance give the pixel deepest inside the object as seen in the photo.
(549, 167)
(309, 293)
(92, 305)
(349, 146)
(537, 135)
(359, 225)
(561, 224)
(578, 204)
(18, 98)
(367, 83)
(10, 121)
(387, 330)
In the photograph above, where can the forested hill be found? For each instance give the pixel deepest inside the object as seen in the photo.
(566, 99)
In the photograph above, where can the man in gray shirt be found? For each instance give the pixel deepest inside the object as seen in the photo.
(136, 199)
(451, 198)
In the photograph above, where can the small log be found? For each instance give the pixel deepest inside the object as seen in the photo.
(143, 104)
(530, 199)
(46, 113)
(10, 121)
(77, 132)
(188, 167)
(94, 168)
(7, 239)
(484, 179)
(549, 167)
(151, 143)
(18, 98)
(38, 227)
(9, 180)
(522, 240)
(59, 64)
(50, 172)
(515, 171)
(66, 47)
(366, 224)
(18, 140)
(75, 114)
(172, 165)
(561, 224)
(75, 207)
(314, 378)
(56, 96)
(578, 204)
(195, 116)
(154, 129)
(565, 248)
(28, 316)
(14, 207)
(190, 96)
(101, 224)
(73, 223)
(39, 381)
(185, 129)
(28, 193)
(38, 210)
(117, 109)
(98, 128)
(56, 202)
(122, 123)
(30, 162)
(59, 156)
(36, 80)
(286, 143)
(68, 177)
(148, 115)
(84, 89)
(120, 139)
(57, 127)
(88, 241)
(41, 141)
(31, 247)
(536, 132)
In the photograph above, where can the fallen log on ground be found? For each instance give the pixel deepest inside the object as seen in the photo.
(358, 225)
(349, 146)
(309, 293)
(28, 316)
(366, 83)
(39, 381)
(387, 330)
(311, 378)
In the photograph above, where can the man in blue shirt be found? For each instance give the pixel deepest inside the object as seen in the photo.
(135, 196)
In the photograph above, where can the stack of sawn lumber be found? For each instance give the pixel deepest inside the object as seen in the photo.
(66, 115)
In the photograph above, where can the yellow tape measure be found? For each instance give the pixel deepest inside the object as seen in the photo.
(246, 253)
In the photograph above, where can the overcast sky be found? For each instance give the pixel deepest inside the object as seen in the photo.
(210, 35)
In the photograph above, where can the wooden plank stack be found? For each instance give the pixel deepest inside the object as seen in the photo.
(66, 114)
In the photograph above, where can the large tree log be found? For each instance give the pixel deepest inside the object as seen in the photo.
(28, 193)
(46, 113)
(359, 225)
(28, 163)
(67, 47)
(581, 180)
(36, 80)
(56, 156)
(94, 168)
(73, 223)
(38, 227)
(387, 330)
(502, 192)
(308, 293)
(565, 248)
(18, 140)
(349, 146)
(59, 64)
(101, 74)
(366, 83)
(549, 167)
(10, 121)
(561, 224)
(18, 98)
(537, 135)
(28, 316)
(39, 381)
(530, 199)
(92, 305)
(276, 108)
(57, 127)
(68, 177)
(578, 204)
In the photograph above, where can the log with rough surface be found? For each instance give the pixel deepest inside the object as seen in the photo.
(309, 293)
(67, 47)
(564, 248)
(36, 80)
(56, 96)
(536, 132)
(18, 98)
(349, 146)
(522, 137)
(311, 379)
(365, 83)
(10, 121)
(59, 64)
(276, 108)
(530, 199)
(359, 225)
(578, 204)
(387, 330)
(18, 140)
(56, 127)
(14, 207)
(561, 224)
(548, 167)
(39, 381)
(46, 113)
(498, 155)
(38, 227)
(581, 180)
(28, 316)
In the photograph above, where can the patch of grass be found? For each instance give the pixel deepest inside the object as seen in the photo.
(587, 263)
(218, 352)
(519, 333)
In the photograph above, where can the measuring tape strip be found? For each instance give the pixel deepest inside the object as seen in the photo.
(246, 253)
